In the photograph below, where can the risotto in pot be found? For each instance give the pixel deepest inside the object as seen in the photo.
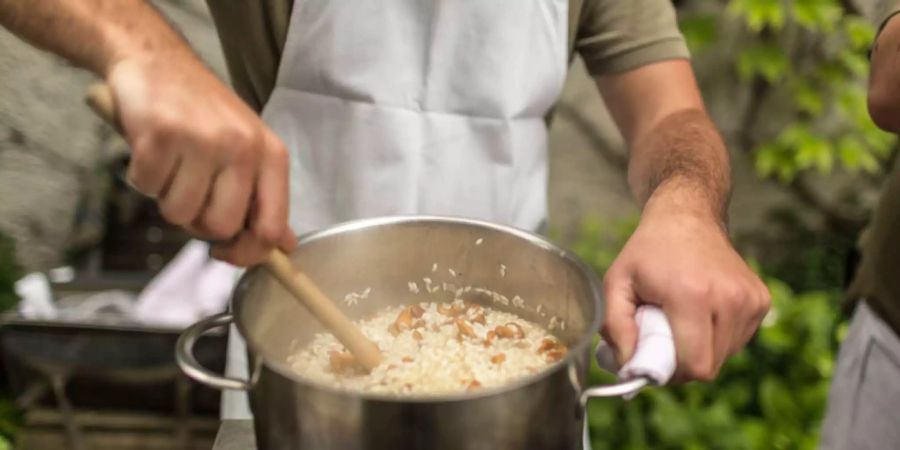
(434, 348)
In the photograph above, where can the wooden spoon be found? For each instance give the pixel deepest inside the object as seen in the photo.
(301, 287)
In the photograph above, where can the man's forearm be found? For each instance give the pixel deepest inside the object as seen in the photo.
(685, 156)
(94, 34)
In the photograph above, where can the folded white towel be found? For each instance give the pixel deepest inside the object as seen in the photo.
(654, 357)
(37, 297)
(192, 286)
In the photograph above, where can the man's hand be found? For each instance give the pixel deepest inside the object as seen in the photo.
(208, 160)
(681, 260)
(211, 164)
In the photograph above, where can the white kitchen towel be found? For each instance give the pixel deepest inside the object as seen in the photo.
(191, 287)
(654, 357)
(36, 297)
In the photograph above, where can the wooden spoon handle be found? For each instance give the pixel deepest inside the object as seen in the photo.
(100, 99)
(301, 287)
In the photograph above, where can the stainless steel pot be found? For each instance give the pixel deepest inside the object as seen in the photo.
(542, 411)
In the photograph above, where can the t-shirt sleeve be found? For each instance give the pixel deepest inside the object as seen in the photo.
(615, 36)
(252, 34)
(886, 12)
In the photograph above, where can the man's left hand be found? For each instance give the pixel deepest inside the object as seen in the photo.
(680, 258)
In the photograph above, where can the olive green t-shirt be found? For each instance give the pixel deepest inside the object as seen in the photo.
(877, 279)
(610, 35)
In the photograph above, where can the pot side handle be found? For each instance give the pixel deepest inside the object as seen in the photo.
(653, 361)
(184, 355)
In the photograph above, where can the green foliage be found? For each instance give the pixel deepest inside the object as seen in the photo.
(759, 14)
(10, 417)
(812, 53)
(769, 396)
(700, 31)
(10, 421)
(765, 60)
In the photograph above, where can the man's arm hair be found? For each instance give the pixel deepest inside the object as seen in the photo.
(670, 137)
(684, 148)
(94, 34)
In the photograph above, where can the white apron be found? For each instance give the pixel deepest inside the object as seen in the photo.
(416, 107)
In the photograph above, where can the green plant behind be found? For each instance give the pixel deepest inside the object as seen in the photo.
(10, 418)
(814, 54)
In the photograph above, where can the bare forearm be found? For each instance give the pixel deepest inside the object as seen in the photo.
(685, 156)
(94, 34)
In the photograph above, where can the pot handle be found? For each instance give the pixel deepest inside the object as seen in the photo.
(653, 362)
(184, 355)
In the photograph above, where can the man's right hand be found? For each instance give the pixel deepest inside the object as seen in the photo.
(212, 165)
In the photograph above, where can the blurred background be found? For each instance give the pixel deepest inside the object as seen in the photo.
(784, 80)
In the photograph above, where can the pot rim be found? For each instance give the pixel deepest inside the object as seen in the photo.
(575, 351)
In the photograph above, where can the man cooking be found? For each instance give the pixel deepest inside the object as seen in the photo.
(421, 107)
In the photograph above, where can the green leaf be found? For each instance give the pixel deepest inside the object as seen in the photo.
(765, 60)
(808, 99)
(668, 419)
(786, 173)
(880, 142)
(833, 75)
(699, 31)
(868, 162)
(817, 15)
(761, 13)
(808, 151)
(851, 102)
(860, 33)
(758, 14)
(794, 135)
(777, 402)
(814, 152)
(855, 62)
(768, 158)
(849, 150)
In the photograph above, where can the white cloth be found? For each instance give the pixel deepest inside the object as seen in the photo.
(417, 107)
(191, 287)
(36, 297)
(654, 356)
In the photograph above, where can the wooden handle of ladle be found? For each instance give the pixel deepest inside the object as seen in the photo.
(301, 287)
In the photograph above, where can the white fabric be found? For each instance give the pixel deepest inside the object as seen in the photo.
(417, 107)
(36, 297)
(191, 287)
(654, 356)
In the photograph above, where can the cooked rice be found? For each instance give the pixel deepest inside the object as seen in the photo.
(439, 348)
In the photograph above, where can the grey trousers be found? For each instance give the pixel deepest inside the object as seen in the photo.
(864, 400)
